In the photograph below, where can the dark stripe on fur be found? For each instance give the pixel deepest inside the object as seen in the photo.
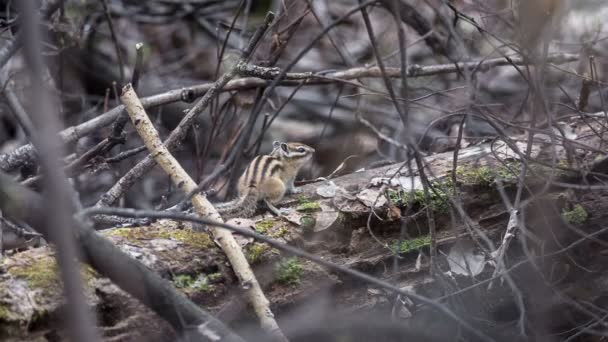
(276, 168)
(268, 162)
(251, 181)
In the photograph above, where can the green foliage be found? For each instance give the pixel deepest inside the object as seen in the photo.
(578, 215)
(186, 236)
(438, 198)
(183, 280)
(410, 245)
(214, 276)
(279, 232)
(289, 271)
(307, 205)
(486, 175)
(255, 252)
(186, 281)
(271, 227)
(40, 273)
(263, 226)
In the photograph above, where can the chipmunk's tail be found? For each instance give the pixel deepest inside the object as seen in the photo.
(239, 207)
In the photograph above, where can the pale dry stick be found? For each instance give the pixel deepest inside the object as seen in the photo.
(182, 180)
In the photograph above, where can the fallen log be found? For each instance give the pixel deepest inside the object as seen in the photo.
(376, 221)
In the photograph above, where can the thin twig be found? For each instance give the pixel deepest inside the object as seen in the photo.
(106, 13)
(139, 61)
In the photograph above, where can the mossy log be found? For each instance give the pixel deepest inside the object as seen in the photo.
(561, 251)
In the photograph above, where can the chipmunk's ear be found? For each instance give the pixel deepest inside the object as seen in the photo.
(284, 147)
(276, 144)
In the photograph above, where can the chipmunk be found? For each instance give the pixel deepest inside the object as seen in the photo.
(268, 178)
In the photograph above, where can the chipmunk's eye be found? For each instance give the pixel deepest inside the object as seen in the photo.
(301, 149)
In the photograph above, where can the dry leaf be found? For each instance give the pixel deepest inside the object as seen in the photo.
(245, 224)
(327, 190)
(465, 260)
(372, 198)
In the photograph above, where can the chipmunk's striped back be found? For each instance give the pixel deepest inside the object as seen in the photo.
(260, 168)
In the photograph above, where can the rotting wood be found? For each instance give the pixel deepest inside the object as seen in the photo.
(347, 242)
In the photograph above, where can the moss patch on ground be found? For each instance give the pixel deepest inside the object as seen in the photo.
(255, 251)
(289, 271)
(272, 227)
(43, 272)
(38, 273)
(486, 175)
(307, 205)
(263, 226)
(577, 215)
(438, 198)
(409, 245)
(186, 236)
(191, 283)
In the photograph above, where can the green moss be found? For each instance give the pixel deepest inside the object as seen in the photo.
(88, 273)
(214, 276)
(186, 236)
(479, 175)
(307, 220)
(564, 163)
(42, 272)
(183, 280)
(279, 232)
(307, 224)
(289, 271)
(271, 228)
(5, 313)
(255, 252)
(438, 198)
(578, 215)
(187, 282)
(410, 245)
(486, 175)
(307, 205)
(263, 226)
(39, 273)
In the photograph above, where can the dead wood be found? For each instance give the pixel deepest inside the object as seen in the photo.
(563, 241)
